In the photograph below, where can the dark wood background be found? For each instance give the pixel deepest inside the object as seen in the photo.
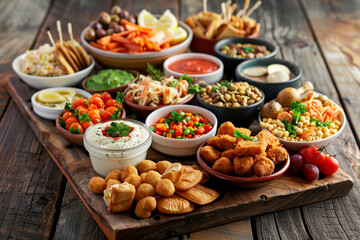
(322, 37)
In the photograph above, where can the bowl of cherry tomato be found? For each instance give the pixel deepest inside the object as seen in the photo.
(179, 130)
(81, 114)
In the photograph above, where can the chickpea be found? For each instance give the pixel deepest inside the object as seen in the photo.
(279, 134)
(312, 124)
(300, 124)
(325, 135)
(271, 127)
(306, 114)
(299, 131)
(337, 122)
(262, 124)
(286, 133)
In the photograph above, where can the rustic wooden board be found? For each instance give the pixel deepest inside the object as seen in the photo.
(283, 193)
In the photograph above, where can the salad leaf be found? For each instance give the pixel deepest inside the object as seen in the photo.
(239, 134)
(194, 89)
(187, 78)
(296, 107)
(319, 123)
(154, 73)
(290, 128)
(118, 130)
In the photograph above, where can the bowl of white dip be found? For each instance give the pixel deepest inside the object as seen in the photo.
(108, 153)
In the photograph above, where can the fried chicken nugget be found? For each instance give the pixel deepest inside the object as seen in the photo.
(162, 166)
(222, 142)
(277, 154)
(243, 165)
(165, 188)
(146, 165)
(263, 166)
(230, 153)
(250, 148)
(265, 135)
(144, 207)
(209, 154)
(226, 128)
(134, 179)
(223, 165)
(144, 190)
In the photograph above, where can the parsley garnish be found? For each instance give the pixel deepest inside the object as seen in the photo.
(216, 88)
(239, 134)
(174, 83)
(86, 102)
(154, 73)
(84, 117)
(68, 107)
(175, 116)
(194, 89)
(247, 49)
(118, 130)
(61, 122)
(187, 78)
(296, 107)
(75, 131)
(290, 128)
(120, 97)
(116, 114)
(319, 123)
(226, 83)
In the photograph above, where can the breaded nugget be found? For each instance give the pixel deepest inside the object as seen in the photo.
(277, 154)
(209, 154)
(143, 191)
(230, 153)
(250, 148)
(263, 166)
(243, 165)
(245, 131)
(134, 179)
(162, 166)
(223, 165)
(146, 165)
(222, 142)
(265, 135)
(226, 128)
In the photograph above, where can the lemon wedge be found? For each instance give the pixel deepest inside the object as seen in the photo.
(46, 96)
(146, 19)
(69, 92)
(167, 21)
(179, 35)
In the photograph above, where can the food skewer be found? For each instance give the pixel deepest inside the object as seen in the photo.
(205, 5)
(51, 38)
(70, 31)
(253, 8)
(239, 13)
(246, 6)
(58, 25)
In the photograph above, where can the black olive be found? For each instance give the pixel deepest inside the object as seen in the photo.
(90, 35)
(100, 33)
(104, 18)
(124, 14)
(115, 10)
(115, 18)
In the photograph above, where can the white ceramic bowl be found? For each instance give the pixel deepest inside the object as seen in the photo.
(180, 147)
(137, 61)
(208, 78)
(296, 146)
(53, 113)
(39, 82)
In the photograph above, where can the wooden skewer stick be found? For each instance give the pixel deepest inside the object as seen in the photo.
(256, 5)
(205, 5)
(239, 13)
(58, 24)
(232, 10)
(223, 10)
(70, 31)
(228, 3)
(51, 38)
(246, 5)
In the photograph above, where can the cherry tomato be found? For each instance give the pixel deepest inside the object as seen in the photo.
(96, 99)
(184, 122)
(195, 118)
(66, 116)
(111, 103)
(178, 132)
(81, 109)
(207, 128)
(201, 130)
(92, 106)
(69, 121)
(302, 151)
(95, 115)
(196, 136)
(106, 96)
(329, 166)
(158, 132)
(86, 124)
(75, 126)
(191, 123)
(315, 156)
(189, 135)
(111, 109)
(79, 102)
(105, 115)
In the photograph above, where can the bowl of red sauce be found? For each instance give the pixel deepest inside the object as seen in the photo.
(201, 67)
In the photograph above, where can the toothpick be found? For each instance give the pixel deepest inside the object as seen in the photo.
(51, 38)
(246, 5)
(256, 5)
(70, 31)
(205, 5)
(58, 24)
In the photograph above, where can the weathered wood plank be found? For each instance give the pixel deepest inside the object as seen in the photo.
(30, 183)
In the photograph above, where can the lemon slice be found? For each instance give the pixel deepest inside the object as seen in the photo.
(50, 97)
(69, 92)
(146, 19)
(167, 21)
(179, 35)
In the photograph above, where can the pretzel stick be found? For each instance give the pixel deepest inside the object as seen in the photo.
(58, 24)
(256, 5)
(246, 5)
(205, 5)
(51, 38)
(70, 31)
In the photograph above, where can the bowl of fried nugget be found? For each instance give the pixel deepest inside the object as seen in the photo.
(242, 160)
(209, 28)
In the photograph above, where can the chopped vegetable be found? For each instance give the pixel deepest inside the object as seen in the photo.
(290, 128)
(319, 123)
(194, 89)
(239, 134)
(296, 107)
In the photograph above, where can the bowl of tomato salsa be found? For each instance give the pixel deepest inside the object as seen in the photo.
(180, 129)
(202, 67)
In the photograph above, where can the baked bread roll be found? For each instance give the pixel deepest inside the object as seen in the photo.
(119, 197)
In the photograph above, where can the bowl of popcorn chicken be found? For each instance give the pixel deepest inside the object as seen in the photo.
(242, 160)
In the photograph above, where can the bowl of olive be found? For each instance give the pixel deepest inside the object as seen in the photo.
(233, 51)
(238, 102)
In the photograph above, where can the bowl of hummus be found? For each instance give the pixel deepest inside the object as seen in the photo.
(114, 144)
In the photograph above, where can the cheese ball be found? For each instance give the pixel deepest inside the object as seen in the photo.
(223, 165)
(152, 177)
(144, 190)
(165, 188)
(144, 207)
(97, 185)
(129, 169)
(112, 182)
(162, 166)
(143, 175)
(115, 174)
(134, 179)
(146, 165)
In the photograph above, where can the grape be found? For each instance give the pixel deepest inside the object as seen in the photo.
(296, 164)
(310, 172)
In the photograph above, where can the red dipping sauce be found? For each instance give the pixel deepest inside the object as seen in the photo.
(193, 66)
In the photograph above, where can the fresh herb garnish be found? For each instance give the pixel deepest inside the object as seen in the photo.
(296, 107)
(120, 97)
(175, 116)
(319, 123)
(118, 130)
(84, 117)
(290, 128)
(154, 73)
(248, 49)
(68, 107)
(216, 89)
(74, 131)
(239, 134)
(174, 83)
(61, 122)
(226, 83)
(194, 89)
(86, 102)
(187, 78)
(116, 114)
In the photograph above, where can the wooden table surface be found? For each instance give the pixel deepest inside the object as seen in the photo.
(322, 37)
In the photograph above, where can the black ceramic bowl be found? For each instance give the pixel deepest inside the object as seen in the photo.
(239, 116)
(230, 63)
(270, 89)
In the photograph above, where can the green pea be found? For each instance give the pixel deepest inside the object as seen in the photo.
(182, 113)
(172, 131)
(167, 126)
(185, 138)
(191, 128)
(164, 134)
(196, 123)
(186, 132)
(152, 128)
(184, 128)
(178, 137)
(187, 118)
